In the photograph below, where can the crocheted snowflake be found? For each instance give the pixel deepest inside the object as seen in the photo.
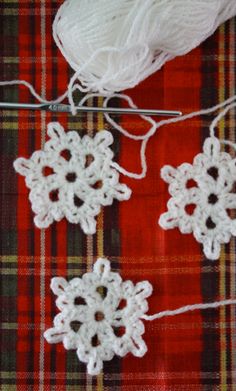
(203, 198)
(72, 177)
(100, 316)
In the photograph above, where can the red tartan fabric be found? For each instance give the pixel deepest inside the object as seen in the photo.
(169, 260)
(190, 352)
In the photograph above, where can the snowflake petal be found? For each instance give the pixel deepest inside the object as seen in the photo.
(53, 335)
(102, 267)
(43, 220)
(212, 147)
(166, 221)
(55, 130)
(23, 166)
(138, 347)
(122, 346)
(103, 139)
(185, 225)
(88, 225)
(95, 365)
(122, 192)
(168, 174)
(143, 290)
(212, 249)
(58, 285)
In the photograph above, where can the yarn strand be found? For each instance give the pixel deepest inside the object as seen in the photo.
(188, 308)
(32, 90)
(144, 138)
(217, 120)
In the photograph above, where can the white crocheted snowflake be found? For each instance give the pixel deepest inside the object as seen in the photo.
(203, 198)
(100, 316)
(72, 177)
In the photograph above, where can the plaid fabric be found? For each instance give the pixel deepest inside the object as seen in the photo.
(194, 351)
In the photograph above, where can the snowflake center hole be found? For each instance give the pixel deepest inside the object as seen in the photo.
(213, 172)
(95, 341)
(66, 154)
(213, 199)
(79, 301)
(71, 177)
(190, 208)
(102, 290)
(99, 316)
(54, 195)
(210, 223)
(75, 325)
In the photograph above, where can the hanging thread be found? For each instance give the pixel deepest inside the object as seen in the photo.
(188, 308)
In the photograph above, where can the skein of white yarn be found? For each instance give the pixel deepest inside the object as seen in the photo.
(115, 44)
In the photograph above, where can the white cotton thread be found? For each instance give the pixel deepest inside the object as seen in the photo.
(217, 119)
(204, 207)
(188, 308)
(71, 177)
(32, 90)
(113, 46)
(102, 316)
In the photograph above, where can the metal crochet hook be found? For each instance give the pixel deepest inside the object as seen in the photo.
(61, 108)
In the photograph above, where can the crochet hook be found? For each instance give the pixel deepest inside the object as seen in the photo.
(61, 108)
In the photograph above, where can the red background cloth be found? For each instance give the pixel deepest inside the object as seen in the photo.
(189, 352)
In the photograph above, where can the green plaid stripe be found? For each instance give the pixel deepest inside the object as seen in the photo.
(27, 362)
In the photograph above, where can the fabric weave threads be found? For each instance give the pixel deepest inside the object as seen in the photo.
(195, 338)
(120, 43)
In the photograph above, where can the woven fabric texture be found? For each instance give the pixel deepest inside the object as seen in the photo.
(190, 352)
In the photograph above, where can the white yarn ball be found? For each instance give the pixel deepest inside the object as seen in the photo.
(118, 43)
